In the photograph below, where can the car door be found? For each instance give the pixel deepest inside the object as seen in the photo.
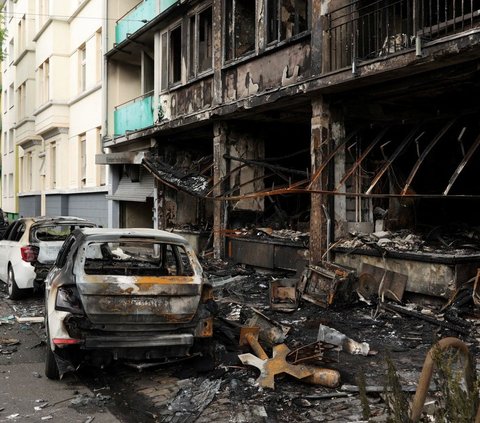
(5, 248)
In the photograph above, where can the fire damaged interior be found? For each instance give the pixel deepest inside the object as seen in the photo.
(288, 133)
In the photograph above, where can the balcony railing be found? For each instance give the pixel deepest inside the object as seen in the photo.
(371, 29)
(135, 19)
(135, 115)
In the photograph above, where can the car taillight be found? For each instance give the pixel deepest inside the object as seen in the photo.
(29, 253)
(66, 341)
(68, 300)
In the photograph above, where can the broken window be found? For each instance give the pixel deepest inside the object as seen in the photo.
(137, 258)
(240, 28)
(200, 43)
(171, 57)
(175, 55)
(286, 19)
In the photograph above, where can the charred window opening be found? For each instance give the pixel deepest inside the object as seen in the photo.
(137, 258)
(200, 43)
(171, 50)
(434, 163)
(239, 28)
(286, 19)
(277, 164)
(175, 55)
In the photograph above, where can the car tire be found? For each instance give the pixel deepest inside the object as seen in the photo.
(51, 367)
(13, 291)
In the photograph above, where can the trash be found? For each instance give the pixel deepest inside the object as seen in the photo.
(313, 351)
(333, 336)
(9, 341)
(374, 280)
(29, 319)
(37, 375)
(283, 295)
(270, 367)
(13, 416)
(8, 320)
(49, 417)
(221, 281)
(328, 284)
(191, 400)
(270, 331)
(434, 320)
(89, 420)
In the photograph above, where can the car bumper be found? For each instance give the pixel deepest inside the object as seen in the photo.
(112, 342)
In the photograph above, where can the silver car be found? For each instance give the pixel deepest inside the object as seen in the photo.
(131, 294)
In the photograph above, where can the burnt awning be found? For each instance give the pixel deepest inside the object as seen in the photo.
(190, 182)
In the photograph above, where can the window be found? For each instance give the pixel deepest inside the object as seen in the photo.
(22, 101)
(10, 51)
(43, 11)
(99, 56)
(285, 19)
(44, 82)
(11, 136)
(53, 165)
(240, 28)
(171, 57)
(10, 185)
(83, 159)
(200, 43)
(21, 35)
(82, 68)
(5, 101)
(28, 172)
(175, 55)
(10, 96)
(101, 169)
(5, 140)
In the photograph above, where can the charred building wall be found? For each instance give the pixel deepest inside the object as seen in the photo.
(318, 118)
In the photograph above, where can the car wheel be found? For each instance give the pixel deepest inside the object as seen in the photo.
(13, 291)
(51, 368)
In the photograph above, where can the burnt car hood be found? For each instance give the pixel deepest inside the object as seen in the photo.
(139, 299)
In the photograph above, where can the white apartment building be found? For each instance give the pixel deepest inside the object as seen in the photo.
(53, 109)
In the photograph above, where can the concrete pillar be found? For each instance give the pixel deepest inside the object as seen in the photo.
(220, 138)
(339, 202)
(319, 146)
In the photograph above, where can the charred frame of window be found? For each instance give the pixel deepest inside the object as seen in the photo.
(200, 53)
(286, 19)
(175, 55)
(239, 28)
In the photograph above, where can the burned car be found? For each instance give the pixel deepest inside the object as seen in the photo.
(125, 294)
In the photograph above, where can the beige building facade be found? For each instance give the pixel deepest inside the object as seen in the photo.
(53, 119)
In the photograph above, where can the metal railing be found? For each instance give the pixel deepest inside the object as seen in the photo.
(371, 29)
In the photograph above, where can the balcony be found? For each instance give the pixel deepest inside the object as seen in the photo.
(134, 115)
(132, 21)
(367, 30)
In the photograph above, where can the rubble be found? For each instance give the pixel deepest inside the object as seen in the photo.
(333, 336)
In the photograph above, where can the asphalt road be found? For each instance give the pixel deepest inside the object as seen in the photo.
(26, 395)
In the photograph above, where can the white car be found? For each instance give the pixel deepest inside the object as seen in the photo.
(29, 247)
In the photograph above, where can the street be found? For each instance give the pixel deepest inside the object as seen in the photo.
(224, 391)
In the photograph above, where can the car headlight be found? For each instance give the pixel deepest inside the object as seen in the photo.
(68, 300)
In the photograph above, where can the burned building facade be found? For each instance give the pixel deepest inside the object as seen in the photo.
(274, 128)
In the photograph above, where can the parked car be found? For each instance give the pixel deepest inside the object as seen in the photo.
(3, 224)
(125, 294)
(29, 248)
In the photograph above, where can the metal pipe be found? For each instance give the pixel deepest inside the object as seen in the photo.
(427, 371)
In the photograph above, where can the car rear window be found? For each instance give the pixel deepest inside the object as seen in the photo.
(137, 258)
(57, 232)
